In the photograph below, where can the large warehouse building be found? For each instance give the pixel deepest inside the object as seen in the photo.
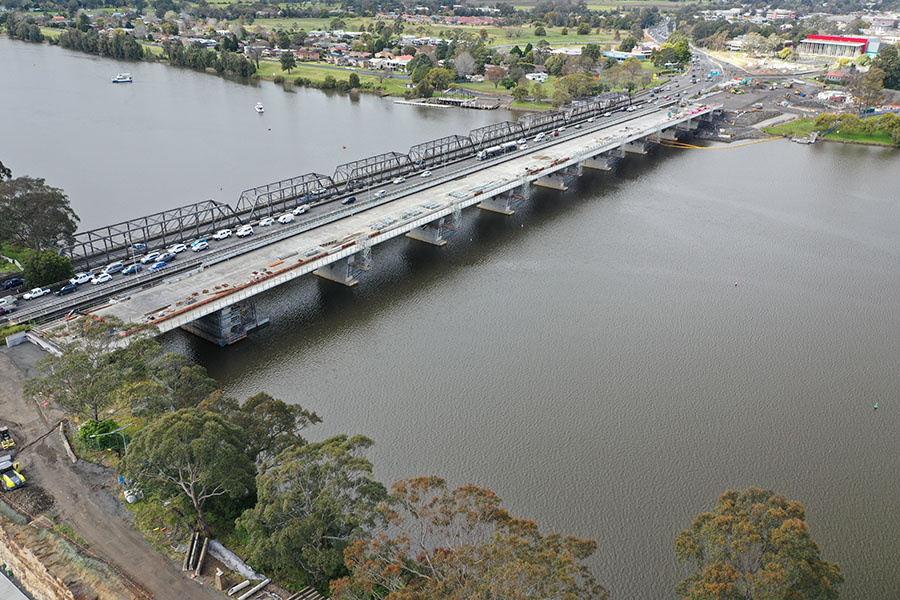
(834, 45)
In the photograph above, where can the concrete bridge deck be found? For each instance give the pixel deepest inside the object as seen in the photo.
(331, 248)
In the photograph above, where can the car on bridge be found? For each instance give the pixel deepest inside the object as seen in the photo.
(149, 258)
(166, 257)
(157, 266)
(381, 193)
(80, 278)
(36, 293)
(66, 289)
(101, 278)
(14, 282)
(177, 249)
(399, 180)
(244, 231)
(286, 218)
(132, 269)
(301, 209)
(349, 200)
(267, 221)
(200, 246)
(222, 234)
(113, 267)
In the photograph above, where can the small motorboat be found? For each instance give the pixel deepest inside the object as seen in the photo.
(259, 107)
(122, 78)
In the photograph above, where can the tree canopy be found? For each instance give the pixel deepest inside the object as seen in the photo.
(35, 215)
(197, 455)
(754, 545)
(43, 267)
(459, 544)
(312, 500)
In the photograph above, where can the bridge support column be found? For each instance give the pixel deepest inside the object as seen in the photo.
(507, 202)
(229, 325)
(431, 233)
(605, 161)
(669, 134)
(341, 271)
(554, 181)
(636, 147)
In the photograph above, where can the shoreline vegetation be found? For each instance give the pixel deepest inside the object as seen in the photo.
(878, 130)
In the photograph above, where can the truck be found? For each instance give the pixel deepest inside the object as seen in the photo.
(497, 150)
(6, 441)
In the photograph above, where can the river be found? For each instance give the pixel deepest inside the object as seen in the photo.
(608, 359)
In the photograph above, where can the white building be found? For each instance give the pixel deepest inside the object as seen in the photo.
(538, 77)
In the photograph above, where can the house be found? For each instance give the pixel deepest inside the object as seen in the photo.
(304, 54)
(538, 77)
(836, 77)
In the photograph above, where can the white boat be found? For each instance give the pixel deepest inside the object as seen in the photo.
(259, 107)
(122, 78)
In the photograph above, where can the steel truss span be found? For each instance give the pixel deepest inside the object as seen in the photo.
(266, 200)
(441, 150)
(162, 228)
(496, 133)
(372, 170)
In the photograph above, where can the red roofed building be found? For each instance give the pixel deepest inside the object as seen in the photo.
(834, 45)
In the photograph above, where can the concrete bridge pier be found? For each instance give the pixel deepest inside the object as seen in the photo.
(435, 233)
(343, 271)
(670, 134)
(228, 325)
(639, 146)
(554, 181)
(507, 202)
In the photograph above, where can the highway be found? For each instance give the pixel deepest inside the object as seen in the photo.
(321, 214)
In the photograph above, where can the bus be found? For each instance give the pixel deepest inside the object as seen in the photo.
(497, 150)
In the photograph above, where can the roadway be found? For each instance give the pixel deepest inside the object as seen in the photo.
(87, 295)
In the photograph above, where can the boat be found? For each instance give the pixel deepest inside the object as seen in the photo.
(122, 78)
(259, 107)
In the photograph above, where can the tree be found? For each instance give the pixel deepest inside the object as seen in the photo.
(464, 64)
(627, 44)
(594, 51)
(461, 544)
(83, 379)
(755, 545)
(43, 267)
(539, 31)
(193, 454)
(164, 382)
(495, 75)
(5, 173)
(520, 93)
(888, 60)
(353, 81)
(288, 62)
(419, 60)
(439, 78)
(867, 87)
(560, 98)
(312, 501)
(538, 92)
(35, 215)
(584, 28)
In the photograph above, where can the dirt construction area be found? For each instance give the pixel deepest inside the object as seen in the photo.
(82, 496)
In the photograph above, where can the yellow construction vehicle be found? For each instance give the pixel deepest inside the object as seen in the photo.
(6, 441)
(9, 474)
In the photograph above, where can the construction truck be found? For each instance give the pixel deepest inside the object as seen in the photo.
(9, 474)
(6, 441)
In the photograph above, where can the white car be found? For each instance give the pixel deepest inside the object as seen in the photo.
(101, 278)
(399, 180)
(177, 248)
(149, 258)
(285, 219)
(266, 222)
(244, 231)
(80, 278)
(425, 174)
(301, 209)
(222, 234)
(381, 193)
(199, 246)
(591, 119)
(36, 293)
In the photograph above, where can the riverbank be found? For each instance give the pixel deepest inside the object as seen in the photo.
(847, 134)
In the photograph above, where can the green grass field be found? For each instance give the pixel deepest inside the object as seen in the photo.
(797, 127)
(803, 127)
(531, 105)
(270, 70)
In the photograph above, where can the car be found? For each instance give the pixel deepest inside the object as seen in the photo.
(539, 137)
(425, 174)
(66, 289)
(301, 209)
(381, 193)
(630, 109)
(166, 257)
(244, 231)
(561, 129)
(199, 246)
(158, 265)
(14, 282)
(149, 258)
(399, 180)
(591, 119)
(222, 234)
(4, 310)
(177, 248)
(578, 126)
(677, 85)
(80, 278)
(285, 218)
(36, 293)
(139, 246)
(349, 200)
(132, 269)
(101, 278)
(607, 114)
(267, 221)
(556, 132)
(113, 267)
(652, 94)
